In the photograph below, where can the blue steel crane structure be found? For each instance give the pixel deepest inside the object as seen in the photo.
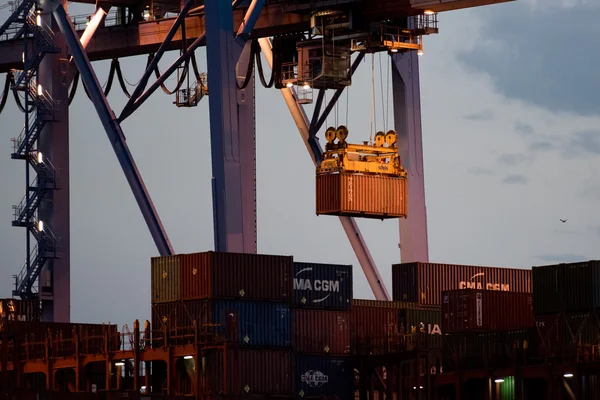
(41, 41)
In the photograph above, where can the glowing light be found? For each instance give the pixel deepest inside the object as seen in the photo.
(499, 380)
(568, 375)
(420, 52)
(40, 226)
(394, 50)
(289, 84)
(306, 86)
(40, 157)
(119, 364)
(23, 57)
(188, 357)
(428, 12)
(38, 19)
(40, 90)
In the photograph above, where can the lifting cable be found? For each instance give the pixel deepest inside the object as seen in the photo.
(5, 91)
(383, 106)
(107, 85)
(74, 87)
(18, 99)
(158, 74)
(120, 78)
(259, 66)
(373, 116)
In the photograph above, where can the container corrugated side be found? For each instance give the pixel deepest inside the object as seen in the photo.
(373, 328)
(259, 324)
(384, 304)
(374, 196)
(582, 330)
(20, 310)
(425, 320)
(551, 328)
(466, 310)
(424, 282)
(546, 295)
(322, 286)
(571, 287)
(165, 279)
(237, 276)
(248, 372)
(317, 377)
(321, 332)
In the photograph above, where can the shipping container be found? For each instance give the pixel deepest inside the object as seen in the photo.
(20, 310)
(424, 283)
(398, 305)
(264, 324)
(235, 275)
(321, 332)
(569, 287)
(374, 329)
(367, 196)
(581, 330)
(317, 377)
(465, 310)
(166, 281)
(247, 372)
(427, 321)
(322, 286)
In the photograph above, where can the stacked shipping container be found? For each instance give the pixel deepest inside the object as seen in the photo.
(566, 299)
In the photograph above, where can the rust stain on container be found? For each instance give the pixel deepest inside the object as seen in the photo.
(236, 275)
(165, 279)
(248, 372)
(424, 283)
(466, 310)
(321, 332)
(370, 196)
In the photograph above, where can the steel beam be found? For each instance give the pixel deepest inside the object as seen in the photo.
(349, 224)
(249, 22)
(146, 37)
(55, 277)
(407, 121)
(232, 133)
(114, 133)
(182, 58)
(128, 109)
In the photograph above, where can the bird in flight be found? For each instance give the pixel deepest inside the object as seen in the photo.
(563, 220)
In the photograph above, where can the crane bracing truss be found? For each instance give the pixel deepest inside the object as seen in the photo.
(232, 112)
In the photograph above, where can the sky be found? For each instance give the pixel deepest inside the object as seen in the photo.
(510, 113)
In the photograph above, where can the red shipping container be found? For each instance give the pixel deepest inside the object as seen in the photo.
(247, 372)
(321, 332)
(236, 275)
(424, 283)
(367, 196)
(20, 310)
(373, 328)
(467, 310)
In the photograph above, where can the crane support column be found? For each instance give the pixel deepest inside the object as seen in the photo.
(232, 131)
(55, 278)
(407, 120)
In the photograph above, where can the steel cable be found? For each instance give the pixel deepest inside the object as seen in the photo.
(5, 91)
(259, 66)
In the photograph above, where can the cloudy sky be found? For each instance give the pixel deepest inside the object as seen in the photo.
(511, 143)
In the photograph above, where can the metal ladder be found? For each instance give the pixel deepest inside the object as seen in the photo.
(39, 109)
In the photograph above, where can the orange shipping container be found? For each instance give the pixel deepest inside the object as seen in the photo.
(370, 196)
(373, 328)
(321, 332)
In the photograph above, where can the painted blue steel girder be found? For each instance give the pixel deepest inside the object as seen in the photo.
(232, 129)
(407, 120)
(114, 132)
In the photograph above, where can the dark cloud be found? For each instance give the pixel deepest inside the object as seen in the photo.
(542, 145)
(516, 180)
(562, 258)
(481, 171)
(535, 61)
(585, 142)
(512, 159)
(524, 129)
(484, 115)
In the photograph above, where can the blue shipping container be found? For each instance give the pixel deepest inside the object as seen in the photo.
(322, 286)
(316, 376)
(259, 324)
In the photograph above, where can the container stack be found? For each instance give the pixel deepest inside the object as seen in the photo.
(566, 299)
(477, 307)
(247, 293)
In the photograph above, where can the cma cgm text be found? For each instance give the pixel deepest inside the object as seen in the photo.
(487, 286)
(317, 285)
